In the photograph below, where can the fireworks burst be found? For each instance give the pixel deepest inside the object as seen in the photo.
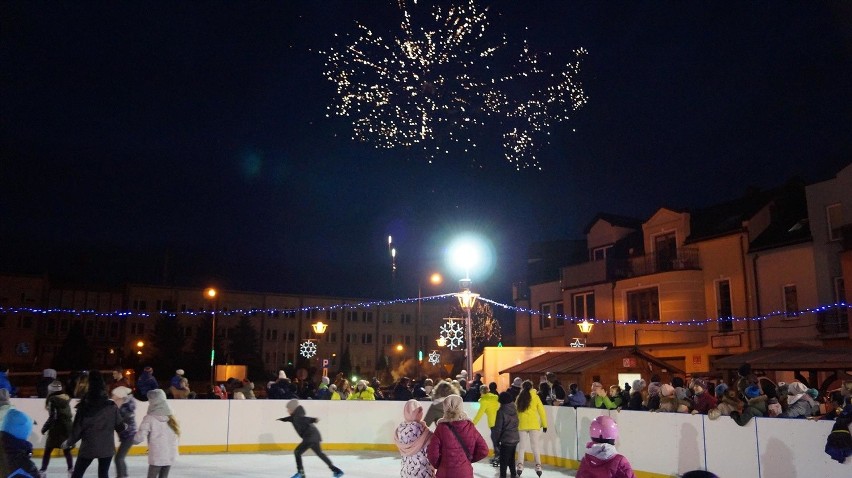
(438, 84)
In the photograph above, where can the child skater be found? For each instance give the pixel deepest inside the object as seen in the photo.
(505, 433)
(310, 438)
(602, 460)
(122, 396)
(58, 424)
(16, 450)
(411, 437)
(161, 429)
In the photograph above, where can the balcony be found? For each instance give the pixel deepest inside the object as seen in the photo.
(681, 260)
(833, 323)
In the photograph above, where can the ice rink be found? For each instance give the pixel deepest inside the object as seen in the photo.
(366, 464)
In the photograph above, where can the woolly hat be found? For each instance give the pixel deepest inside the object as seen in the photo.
(453, 408)
(680, 393)
(653, 389)
(814, 393)
(752, 391)
(413, 411)
(157, 404)
(699, 383)
(462, 375)
(292, 405)
(281, 374)
(4, 396)
(49, 372)
(666, 390)
(795, 391)
(55, 386)
(505, 398)
(721, 389)
(17, 424)
(517, 382)
(638, 385)
(179, 371)
(120, 392)
(326, 380)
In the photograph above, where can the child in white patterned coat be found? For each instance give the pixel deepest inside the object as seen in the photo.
(411, 437)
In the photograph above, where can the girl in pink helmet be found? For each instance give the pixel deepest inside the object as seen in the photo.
(602, 460)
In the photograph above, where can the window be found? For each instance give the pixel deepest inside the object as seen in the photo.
(101, 329)
(643, 305)
(839, 290)
(368, 317)
(63, 326)
(584, 305)
(366, 338)
(791, 301)
(599, 253)
(834, 218)
(25, 322)
(51, 326)
(560, 314)
(90, 328)
(386, 318)
(405, 319)
(333, 315)
(724, 309)
(387, 339)
(545, 320)
(406, 339)
(352, 316)
(139, 304)
(665, 251)
(113, 330)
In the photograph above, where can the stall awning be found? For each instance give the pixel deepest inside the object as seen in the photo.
(790, 358)
(578, 361)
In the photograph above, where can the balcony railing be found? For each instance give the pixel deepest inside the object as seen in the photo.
(680, 260)
(833, 322)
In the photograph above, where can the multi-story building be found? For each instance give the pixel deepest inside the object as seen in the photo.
(681, 284)
(37, 316)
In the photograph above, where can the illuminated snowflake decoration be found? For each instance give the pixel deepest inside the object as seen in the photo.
(453, 333)
(308, 349)
(434, 357)
(445, 83)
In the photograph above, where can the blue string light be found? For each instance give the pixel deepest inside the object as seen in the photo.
(365, 305)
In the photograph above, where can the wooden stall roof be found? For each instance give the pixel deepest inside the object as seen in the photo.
(790, 357)
(582, 360)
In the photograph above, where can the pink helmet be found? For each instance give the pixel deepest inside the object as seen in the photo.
(604, 427)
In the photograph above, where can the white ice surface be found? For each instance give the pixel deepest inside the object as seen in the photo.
(367, 464)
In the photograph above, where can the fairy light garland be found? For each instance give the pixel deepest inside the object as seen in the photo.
(381, 303)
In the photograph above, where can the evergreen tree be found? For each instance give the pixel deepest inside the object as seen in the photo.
(199, 361)
(244, 347)
(346, 363)
(75, 352)
(167, 342)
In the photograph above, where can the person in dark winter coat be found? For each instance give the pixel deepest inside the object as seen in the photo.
(473, 392)
(17, 451)
(505, 434)
(456, 443)
(127, 409)
(515, 388)
(96, 421)
(281, 389)
(401, 390)
(576, 397)
(636, 398)
(145, 383)
(311, 438)
(702, 401)
(58, 424)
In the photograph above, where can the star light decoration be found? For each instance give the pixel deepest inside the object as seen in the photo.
(308, 349)
(453, 332)
(443, 81)
(434, 357)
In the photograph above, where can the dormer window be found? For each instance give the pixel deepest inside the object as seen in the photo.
(599, 253)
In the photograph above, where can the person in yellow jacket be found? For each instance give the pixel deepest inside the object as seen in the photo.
(362, 392)
(488, 406)
(532, 419)
(333, 389)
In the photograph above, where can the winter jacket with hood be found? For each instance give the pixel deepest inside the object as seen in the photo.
(446, 454)
(602, 460)
(127, 410)
(16, 456)
(703, 402)
(304, 425)
(505, 430)
(534, 417)
(145, 383)
(162, 440)
(58, 425)
(488, 406)
(366, 393)
(96, 421)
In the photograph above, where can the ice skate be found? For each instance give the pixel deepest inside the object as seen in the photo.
(298, 474)
(538, 469)
(519, 468)
(337, 474)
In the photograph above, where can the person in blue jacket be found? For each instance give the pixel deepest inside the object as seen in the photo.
(5, 383)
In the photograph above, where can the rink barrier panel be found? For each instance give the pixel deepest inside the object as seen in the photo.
(657, 444)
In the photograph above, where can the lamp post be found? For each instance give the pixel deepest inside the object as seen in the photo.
(466, 301)
(210, 294)
(586, 328)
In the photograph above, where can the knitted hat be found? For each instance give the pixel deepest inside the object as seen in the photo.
(666, 390)
(49, 372)
(157, 404)
(795, 391)
(326, 380)
(699, 383)
(17, 424)
(413, 411)
(4, 396)
(121, 392)
(148, 370)
(653, 389)
(292, 405)
(517, 382)
(179, 371)
(814, 393)
(680, 393)
(453, 408)
(638, 385)
(752, 391)
(505, 397)
(721, 389)
(55, 386)
(281, 374)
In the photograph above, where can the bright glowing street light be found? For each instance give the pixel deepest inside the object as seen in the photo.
(467, 253)
(210, 294)
(319, 327)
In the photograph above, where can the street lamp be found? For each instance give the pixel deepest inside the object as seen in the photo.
(466, 254)
(585, 328)
(319, 327)
(210, 294)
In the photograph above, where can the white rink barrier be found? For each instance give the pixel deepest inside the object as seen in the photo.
(657, 444)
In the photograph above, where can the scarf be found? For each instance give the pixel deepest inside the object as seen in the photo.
(409, 449)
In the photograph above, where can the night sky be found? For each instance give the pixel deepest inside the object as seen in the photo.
(189, 140)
